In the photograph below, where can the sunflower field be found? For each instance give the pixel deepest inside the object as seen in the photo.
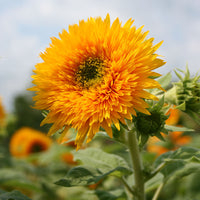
(99, 123)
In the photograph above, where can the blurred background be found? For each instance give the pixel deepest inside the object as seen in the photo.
(26, 28)
(29, 160)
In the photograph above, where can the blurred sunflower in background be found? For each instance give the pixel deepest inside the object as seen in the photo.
(173, 140)
(174, 116)
(26, 141)
(94, 76)
(2, 114)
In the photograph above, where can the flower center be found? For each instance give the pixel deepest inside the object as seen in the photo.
(37, 147)
(89, 72)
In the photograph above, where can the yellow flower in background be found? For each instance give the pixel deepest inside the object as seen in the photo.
(155, 145)
(174, 115)
(26, 141)
(95, 75)
(2, 114)
(69, 158)
(173, 141)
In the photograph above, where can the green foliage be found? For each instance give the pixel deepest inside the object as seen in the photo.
(34, 175)
(175, 174)
(13, 195)
(186, 94)
(165, 80)
(111, 195)
(9, 178)
(99, 159)
(26, 115)
(177, 128)
(179, 163)
(97, 165)
(154, 182)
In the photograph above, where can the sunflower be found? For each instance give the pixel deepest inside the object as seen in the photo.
(26, 141)
(94, 76)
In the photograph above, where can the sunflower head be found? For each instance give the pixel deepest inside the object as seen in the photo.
(26, 141)
(95, 75)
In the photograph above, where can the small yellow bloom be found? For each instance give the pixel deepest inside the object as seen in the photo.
(95, 75)
(27, 140)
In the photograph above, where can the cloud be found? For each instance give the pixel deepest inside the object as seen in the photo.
(26, 28)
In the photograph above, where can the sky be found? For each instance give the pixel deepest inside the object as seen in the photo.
(26, 27)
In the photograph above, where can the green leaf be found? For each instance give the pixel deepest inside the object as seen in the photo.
(179, 163)
(181, 106)
(101, 160)
(175, 128)
(158, 135)
(178, 75)
(165, 80)
(143, 139)
(154, 182)
(159, 105)
(81, 175)
(187, 170)
(111, 195)
(86, 175)
(11, 178)
(13, 195)
(96, 166)
(194, 116)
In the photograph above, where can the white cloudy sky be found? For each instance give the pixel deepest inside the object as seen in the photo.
(27, 25)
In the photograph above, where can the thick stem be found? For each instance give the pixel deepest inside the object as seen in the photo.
(137, 165)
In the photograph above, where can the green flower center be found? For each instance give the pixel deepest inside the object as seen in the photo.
(89, 72)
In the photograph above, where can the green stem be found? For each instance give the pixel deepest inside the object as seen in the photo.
(155, 197)
(137, 164)
(131, 190)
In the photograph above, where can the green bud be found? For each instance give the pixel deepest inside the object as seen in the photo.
(186, 94)
(151, 125)
(187, 90)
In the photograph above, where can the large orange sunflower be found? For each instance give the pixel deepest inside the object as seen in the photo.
(95, 75)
